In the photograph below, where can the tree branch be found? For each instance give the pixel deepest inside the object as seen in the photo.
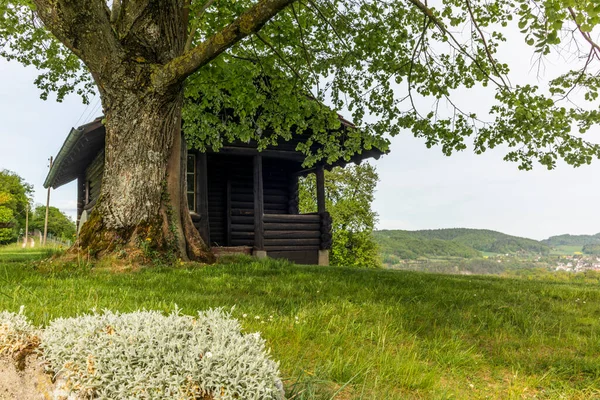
(249, 22)
(72, 27)
(586, 35)
(116, 10)
(440, 25)
(188, 43)
(282, 58)
(485, 45)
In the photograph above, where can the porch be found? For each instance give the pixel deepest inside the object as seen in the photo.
(251, 201)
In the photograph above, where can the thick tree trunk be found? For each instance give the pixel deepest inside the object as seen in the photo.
(142, 205)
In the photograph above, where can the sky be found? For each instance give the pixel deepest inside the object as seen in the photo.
(419, 188)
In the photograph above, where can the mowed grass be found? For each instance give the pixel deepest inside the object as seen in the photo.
(359, 334)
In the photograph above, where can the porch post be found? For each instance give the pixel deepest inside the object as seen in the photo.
(320, 172)
(259, 239)
(325, 218)
(202, 196)
(294, 193)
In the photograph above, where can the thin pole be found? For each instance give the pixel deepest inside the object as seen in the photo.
(26, 223)
(47, 207)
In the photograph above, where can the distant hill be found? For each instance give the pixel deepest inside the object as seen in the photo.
(407, 245)
(487, 240)
(572, 240)
(457, 242)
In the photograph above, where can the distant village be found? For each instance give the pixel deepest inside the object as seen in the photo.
(578, 263)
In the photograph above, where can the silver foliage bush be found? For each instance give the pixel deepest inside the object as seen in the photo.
(17, 334)
(147, 355)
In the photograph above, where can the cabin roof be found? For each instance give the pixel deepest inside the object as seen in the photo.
(77, 152)
(84, 143)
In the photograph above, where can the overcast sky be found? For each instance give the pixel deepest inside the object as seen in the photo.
(419, 189)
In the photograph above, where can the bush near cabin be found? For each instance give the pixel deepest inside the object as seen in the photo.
(348, 195)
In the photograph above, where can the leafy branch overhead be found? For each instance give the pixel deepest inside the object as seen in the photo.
(390, 66)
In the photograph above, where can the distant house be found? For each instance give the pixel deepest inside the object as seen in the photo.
(238, 197)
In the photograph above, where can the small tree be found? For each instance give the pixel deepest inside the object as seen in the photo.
(348, 194)
(14, 200)
(6, 219)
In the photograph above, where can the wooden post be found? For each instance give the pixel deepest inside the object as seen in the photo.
(26, 224)
(259, 240)
(228, 212)
(202, 196)
(323, 256)
(320, 172)
(47, 208)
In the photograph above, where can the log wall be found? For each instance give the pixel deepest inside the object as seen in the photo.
(93, 181)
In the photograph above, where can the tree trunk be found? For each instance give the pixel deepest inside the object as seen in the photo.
(142, 209)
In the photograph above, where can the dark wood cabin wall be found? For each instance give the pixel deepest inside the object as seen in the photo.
(217, 199)
(276, 181)
(231, 197)
(93, 176)
(276, 199)
(240, 226)
(80, 196)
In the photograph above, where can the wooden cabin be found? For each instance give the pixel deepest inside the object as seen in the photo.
(241, 200)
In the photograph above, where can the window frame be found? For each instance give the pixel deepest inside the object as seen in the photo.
(192, 174)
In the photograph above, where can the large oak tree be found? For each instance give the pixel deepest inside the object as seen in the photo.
(261, 69)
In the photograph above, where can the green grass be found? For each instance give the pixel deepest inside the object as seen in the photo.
(360, 334)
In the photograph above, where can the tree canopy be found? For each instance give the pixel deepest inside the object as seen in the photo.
(14, 200)
(392, 65)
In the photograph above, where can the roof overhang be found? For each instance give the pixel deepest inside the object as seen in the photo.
(84, 143)
(77, 152)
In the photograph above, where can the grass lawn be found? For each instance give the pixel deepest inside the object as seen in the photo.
(359, 334)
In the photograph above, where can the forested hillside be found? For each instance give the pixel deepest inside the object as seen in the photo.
(406, 245)
(487, 240)
(592, 249)
(572, 240)
(458, 242)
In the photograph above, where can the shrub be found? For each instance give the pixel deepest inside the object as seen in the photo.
(147, 355)
(18, 337)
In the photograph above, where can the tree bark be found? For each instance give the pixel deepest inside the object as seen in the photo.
(142, 202)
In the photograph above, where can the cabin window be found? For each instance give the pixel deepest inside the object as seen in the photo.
(191, 182)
